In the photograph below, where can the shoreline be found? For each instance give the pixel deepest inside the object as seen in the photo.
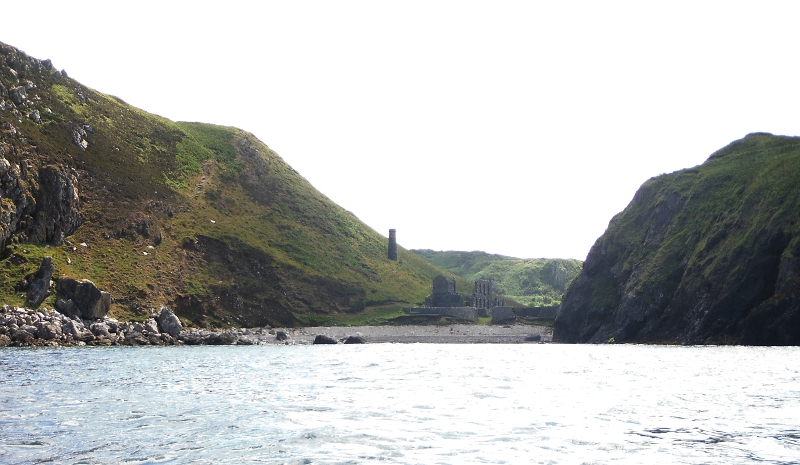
(21, 327)
(424, 334)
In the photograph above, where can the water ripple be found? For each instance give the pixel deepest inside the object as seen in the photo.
(416, 403)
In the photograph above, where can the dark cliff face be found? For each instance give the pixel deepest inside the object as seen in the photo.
(705, 255)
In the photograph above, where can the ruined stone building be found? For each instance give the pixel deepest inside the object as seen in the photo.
(483, 297)
(444, 293)
(445, 301)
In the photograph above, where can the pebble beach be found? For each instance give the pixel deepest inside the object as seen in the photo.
(22, 327)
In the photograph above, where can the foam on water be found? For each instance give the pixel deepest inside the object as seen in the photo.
(418, 403)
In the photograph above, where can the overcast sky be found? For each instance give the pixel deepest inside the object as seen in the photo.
(512, 127)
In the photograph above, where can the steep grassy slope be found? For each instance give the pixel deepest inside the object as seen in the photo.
(203, 218)
(535, 282)
(709, 254)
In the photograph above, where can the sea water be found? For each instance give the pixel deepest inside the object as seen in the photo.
(401, 404)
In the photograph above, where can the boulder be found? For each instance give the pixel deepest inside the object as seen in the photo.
(281, 336)
(113, 325)
(222, 338)
(533, 338)
(151, 326)
(35, 116)
(355, 340)
(169, 322)
(33, 330)
(78, 332)
(91, 301)
(72, 328)
(39, 282)
(48, 331)
(17, 95)
(129, 329)
(323, 339)
(4, 340)
(20, 336)
(67, 307)
(100, 329)
(192, 339)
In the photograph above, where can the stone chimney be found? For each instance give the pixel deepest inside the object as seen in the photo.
(393, 244)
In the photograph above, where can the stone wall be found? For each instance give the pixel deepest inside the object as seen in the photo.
(544, 312)
(509, 314)
(465, 313)
(503, 314)
(482, 294)
(444, 293)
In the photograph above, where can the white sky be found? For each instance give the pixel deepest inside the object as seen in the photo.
(513, 127)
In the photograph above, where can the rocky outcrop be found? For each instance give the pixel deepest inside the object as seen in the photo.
(18, 95)
(138, 224)
(57, 205)
(704, 255)
(91, 302)
(38, 283)
(25, 327)
(79, 134)
(38, 205)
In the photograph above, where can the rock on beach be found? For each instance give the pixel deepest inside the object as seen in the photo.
(47, 327)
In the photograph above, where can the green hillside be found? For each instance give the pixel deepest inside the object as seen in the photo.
(709, 254)
(535, 282)
(203, 218)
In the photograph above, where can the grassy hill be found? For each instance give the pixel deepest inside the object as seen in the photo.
(206, 219)
(535, 282)
(709, 254)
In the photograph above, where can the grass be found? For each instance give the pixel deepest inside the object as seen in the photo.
(246, 240)
(711, 236)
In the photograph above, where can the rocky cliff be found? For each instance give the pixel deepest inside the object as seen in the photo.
(202, 218)
(709, 254)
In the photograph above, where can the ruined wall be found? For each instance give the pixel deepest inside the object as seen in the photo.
(544, 312)
(444, 294)
(509, 314)
(465, 313)
(482, 295)
(503, 314)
